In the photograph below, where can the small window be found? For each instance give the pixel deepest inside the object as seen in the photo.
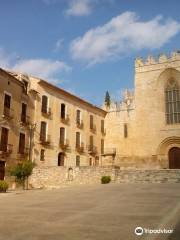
(91, 121)
(102, 146)
(43, 130)
(102, 126)
(62, 135)
(77, 161)
(44, 107)
(63, 110)
(91, 141)
(21, 143)
(7, 101)
(42, 155)
(78, 116)
(4, 139)
(78, 139)
(125, 131)
(23, 112)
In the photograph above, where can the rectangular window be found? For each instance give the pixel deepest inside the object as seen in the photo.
(91, 141)
(42, 155)
(4, 139)
(43, 131)
(23, 112)
(172, 106)
(125, 131)
(21, 143)
(91, 122)
(78, 139)
(78, 117)
(102, 146)
(44, 107)
(63, 110)
(62, 135)
(102, 126)
(77, 161)
(7, 104)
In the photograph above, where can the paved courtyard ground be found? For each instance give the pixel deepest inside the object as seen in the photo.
(98, 212)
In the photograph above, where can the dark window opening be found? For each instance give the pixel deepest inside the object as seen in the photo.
(21, 143)
(44, 107)
(77, 161)
(63, 110)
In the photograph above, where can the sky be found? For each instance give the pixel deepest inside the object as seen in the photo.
(86, 46)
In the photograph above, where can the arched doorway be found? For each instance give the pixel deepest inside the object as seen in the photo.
(174, 158)
(61, 157)
(2, 170)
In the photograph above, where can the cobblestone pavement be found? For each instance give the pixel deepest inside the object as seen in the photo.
(100, 212)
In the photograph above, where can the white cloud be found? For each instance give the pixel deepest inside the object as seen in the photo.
(43, 68)
(121, 35)
(79, 8)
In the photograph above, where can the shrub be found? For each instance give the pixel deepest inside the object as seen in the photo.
(3, 186)
(22, 171)
(105, 179)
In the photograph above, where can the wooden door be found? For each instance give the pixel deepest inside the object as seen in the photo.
(174, 158)
(2, 170)
(4, 139)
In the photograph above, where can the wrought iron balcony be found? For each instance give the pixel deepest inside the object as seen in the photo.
(80, 148)
(45, 139)
(79, 123)
(46, 112)
(92, 149)
(6, 149)
(65, 119)
(93, 128)
(8, 113)
(64, 144)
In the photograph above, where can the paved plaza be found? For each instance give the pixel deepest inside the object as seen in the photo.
(96, 212)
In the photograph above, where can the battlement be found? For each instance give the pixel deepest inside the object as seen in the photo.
(163, 58)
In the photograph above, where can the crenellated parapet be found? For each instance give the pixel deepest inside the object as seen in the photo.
(161, 59)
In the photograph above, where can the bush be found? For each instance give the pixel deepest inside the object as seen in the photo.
(22, 171)
(105, 179)
(3, 186)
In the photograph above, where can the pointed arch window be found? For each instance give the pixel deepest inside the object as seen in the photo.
(172, 98)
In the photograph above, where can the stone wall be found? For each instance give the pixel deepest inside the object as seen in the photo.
(56, 177)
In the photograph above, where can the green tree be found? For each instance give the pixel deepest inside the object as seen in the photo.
(22, 171)
(107, 99)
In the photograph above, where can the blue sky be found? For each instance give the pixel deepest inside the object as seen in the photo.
(86, 46)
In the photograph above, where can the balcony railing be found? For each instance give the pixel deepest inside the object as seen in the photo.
(64, 144)
(93, 128)
(80, 148)
(45, 139)
(79, 124)
(6, 148)
(109, 152)
(92, 149)
(25, 120)
(46, 112)
(65, 119)
(8, 113)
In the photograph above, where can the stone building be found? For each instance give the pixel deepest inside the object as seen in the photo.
(16, 107)
(55, 128)
(145, 127)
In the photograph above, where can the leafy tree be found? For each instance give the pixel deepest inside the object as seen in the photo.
(22, 171)
(107, 99)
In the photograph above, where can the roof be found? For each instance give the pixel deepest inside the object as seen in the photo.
(11, 76)
(72, 96)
